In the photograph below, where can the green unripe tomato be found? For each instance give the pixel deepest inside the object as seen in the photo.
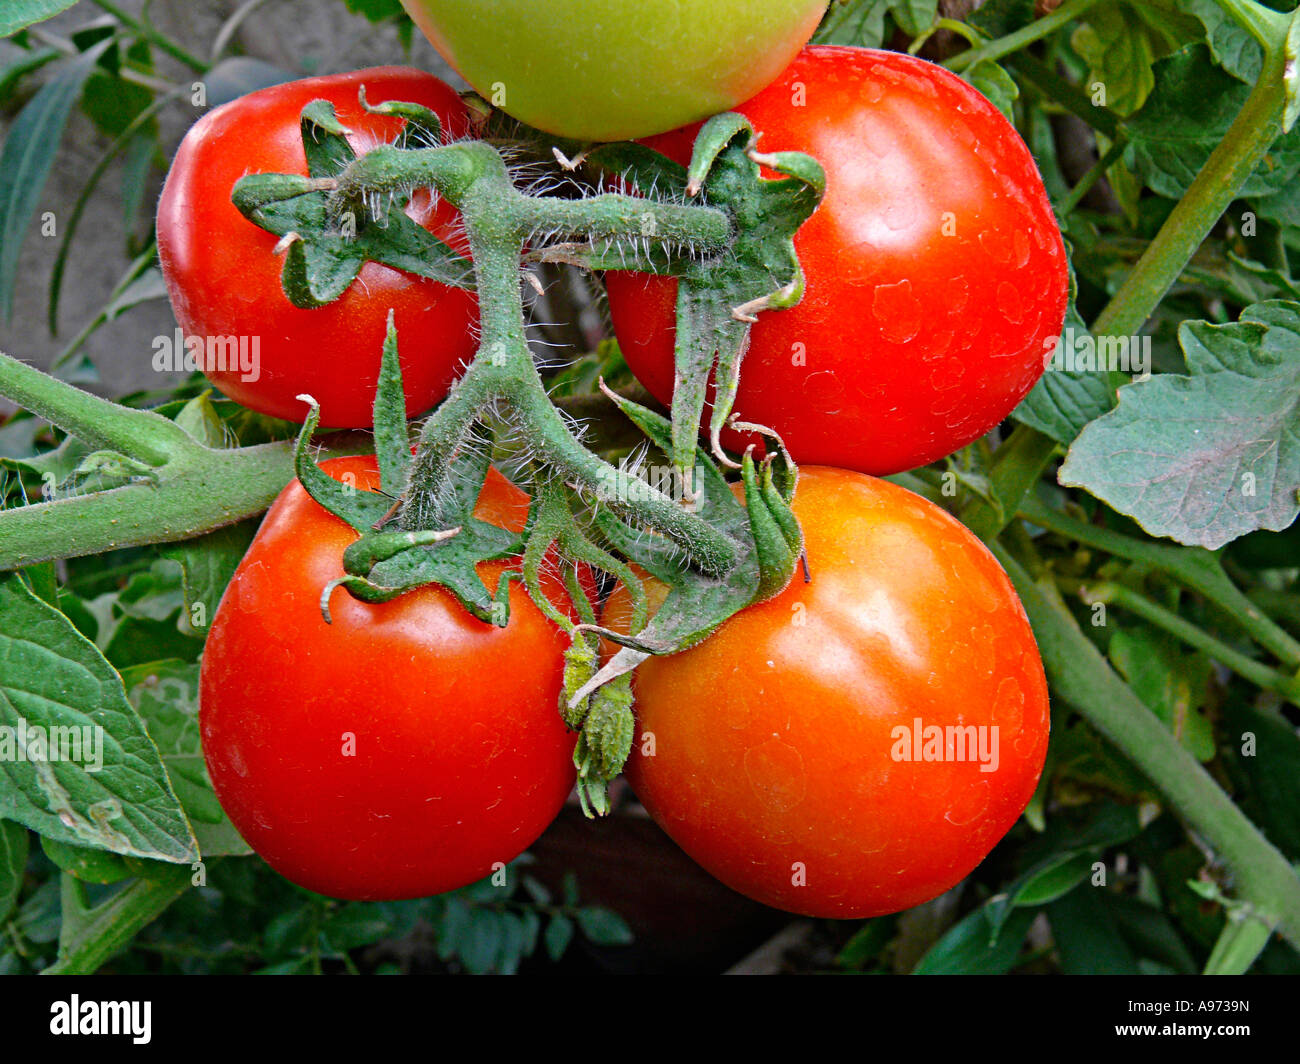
(616, 69)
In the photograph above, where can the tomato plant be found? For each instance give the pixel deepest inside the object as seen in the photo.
(857, 744)
(402, 750)
(936, 276)
(614, 69)
(225, 281)
(391, 687)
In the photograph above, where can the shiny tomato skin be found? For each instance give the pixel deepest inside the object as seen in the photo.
(616, 69)
(399, 752)
(775, 758)
(223, 275)
(936, 273)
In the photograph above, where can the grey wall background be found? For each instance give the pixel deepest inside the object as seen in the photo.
(303, 37)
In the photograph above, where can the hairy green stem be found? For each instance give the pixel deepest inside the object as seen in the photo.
(498, 219)
(138, 434)
(202, 490)
(189, 489)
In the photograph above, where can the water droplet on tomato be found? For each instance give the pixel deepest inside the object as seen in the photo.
(1010, 303)
(897, 311)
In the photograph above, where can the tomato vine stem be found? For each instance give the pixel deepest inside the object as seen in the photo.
(498, 221)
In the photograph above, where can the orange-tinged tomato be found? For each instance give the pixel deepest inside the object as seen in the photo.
(859, 743)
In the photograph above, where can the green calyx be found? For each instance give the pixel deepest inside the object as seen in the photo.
(325, 237)
(719, 298)
(722, 228)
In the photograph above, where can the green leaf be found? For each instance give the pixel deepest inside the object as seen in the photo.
(1266, 750)
(968, 948)
(208, 563)
(28, 155)
(166, 695)
(1230, 43)
(451, 927)
(1067, 857)
(603, 927)
(88, 865)
(1150, 933)
(1186, 118)
(376, 10)
(557, 936)
(854, 22)
(1087, 939)
(200, 419)
(13, 864)
(480, 941)
(1120, 41)
(113, 103)
(137, 163)
(356, 925)
(513, 945)
(19, 14)
(38, 917)
(11, 76)
(914, 17)
(1074, 388)
(1211, 456)
(997, 85)
(52, 676)
(866, 943)
(1172, 682)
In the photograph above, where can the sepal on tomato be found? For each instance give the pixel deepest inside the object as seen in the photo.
(326, 241)
(385, 561)
(696, 603)
(581, 660)
(718, 298)
(605, 743)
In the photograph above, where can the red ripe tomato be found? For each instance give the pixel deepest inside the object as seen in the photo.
(224, 277)
(400, 751)
(801, 753)
(936, 274)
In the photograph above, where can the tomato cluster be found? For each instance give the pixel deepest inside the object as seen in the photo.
(853, 746)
